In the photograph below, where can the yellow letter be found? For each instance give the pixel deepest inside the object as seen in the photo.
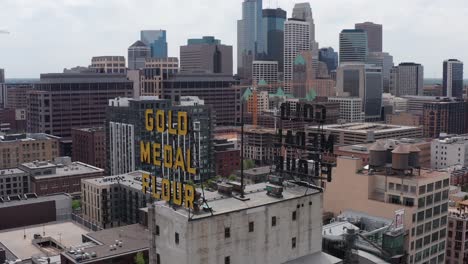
(160, 124)
(155, 193)
(156, 154)
(189, 163)
(170, 128)
(165, 189)
(149, 122)
(168, 156)
(145, 152)
(177, 193)
(145, 182)
(189, 196)
(179, 160)
(182, 123)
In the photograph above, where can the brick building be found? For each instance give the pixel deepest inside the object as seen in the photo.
(89, 146)
(444, 116)
(227, 157)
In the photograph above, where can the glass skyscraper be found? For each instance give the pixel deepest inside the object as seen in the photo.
(330, 57)
(156, 40)
(250, 36)
(453, 78)
(353, 45)
(273, 28)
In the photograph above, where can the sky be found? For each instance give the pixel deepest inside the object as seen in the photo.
(49, 35)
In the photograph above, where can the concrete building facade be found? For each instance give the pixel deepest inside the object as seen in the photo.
(449, 151)
(407, 79)
(350, 109)
(374, 35)
(453, 78)
(264, 72)
(109, 64)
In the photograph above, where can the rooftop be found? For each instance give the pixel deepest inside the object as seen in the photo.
(26, 137)
(71, 169)
(367, 127)
(131, 239)
(67, 233)
(131, 179)
(32, 198)
(8, 172)
(364, 148)
(90, 129)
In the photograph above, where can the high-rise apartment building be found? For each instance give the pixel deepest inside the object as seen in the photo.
(206, 55)
(156, 41)
(296, 39)
(374, 35)
(60, 101)
(453, 78)
(138, 52)
(273, 28)
(329, 57)
(416, 200)
(449, 151)
(265, 72)
(353, 45)
(250, 37)
(108, 64)
(385, 61)
(89, 146)
(303, 11)
(444, 116)
(407, 79)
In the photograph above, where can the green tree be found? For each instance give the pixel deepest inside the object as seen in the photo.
(139, 258)
(232, 177)
(76, 204)
(249, 164)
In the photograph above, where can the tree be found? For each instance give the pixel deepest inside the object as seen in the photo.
(139, 258)
(249, 164)
(232, 177)
(76, 204)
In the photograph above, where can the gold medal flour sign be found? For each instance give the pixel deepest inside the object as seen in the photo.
(167, 156)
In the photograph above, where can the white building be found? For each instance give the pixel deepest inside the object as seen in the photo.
(261, 229)
(296, 39)
(108, 64)
(265, 71)
(350, 109)
(399, 104)
(449, 151)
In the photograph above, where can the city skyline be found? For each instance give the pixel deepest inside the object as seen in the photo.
(79, 30)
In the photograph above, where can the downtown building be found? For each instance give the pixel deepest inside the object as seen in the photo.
(444, 116)
(449, 151)
(273, 28)
(89, 146)
(374, 35)
(353, 46)
(156, 41)
(3, 89)
(350, 109)
(147, 81)
(125, 128)
(330, 57)
(407, 79)
(108, 64)
(384, 60)
(60, 102)
(138, 52)
(206, 55)
(264, 72)
(453, 78)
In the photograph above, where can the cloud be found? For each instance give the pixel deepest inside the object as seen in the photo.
(48, 35)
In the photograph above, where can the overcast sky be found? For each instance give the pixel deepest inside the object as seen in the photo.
(49, 35)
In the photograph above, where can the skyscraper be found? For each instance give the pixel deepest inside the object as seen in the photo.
(206, 54)
(374, 35)
(138, 52)
(303, 11)
(353, 45)
(384, 60)
(250, 36)
(296, 39)
(407, 79)
(304, 72)
(273, 28)
(330, 57)
(3, 89)
(453, 78)
(156, 40)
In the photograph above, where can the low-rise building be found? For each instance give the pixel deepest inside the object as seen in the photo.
(403, 119)
(449, 151)
(256, 175)
(226, 157)
(13, 182)
(259, 145)
(350, 109)
(89, 146)
(457, 234)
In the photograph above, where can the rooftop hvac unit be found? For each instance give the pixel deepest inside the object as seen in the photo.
(275, 191)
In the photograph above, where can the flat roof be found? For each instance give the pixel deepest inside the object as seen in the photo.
(30, 200)
(256, 194)
(68, 233)
(131, 179)
(134, 238)
(9, 172)
(72, 169)
(367, 127)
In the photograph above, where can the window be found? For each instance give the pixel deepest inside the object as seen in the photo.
(251, 226)
(273, 221)
(227, 260)
(294, 216)
(157, 230)
(227, 232)
(177, 238)
(293, 242)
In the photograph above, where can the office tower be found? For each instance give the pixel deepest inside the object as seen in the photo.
(374, 35)
(60, 101)
(444, 116)
(453, 78)
(219, 91)
(108, 64)
(126, 129)
(250, 37)
(407, 79)
(329, 57)
(373, 94)
(384, 60)
(138, 52)
(273, 28)
(3, 89)
(304, 72)
(156, 41)
(89, 146)
(418, 198)
(353, 45)
(206, 55)
(296, 39)
(302, 11)
(265, 72)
